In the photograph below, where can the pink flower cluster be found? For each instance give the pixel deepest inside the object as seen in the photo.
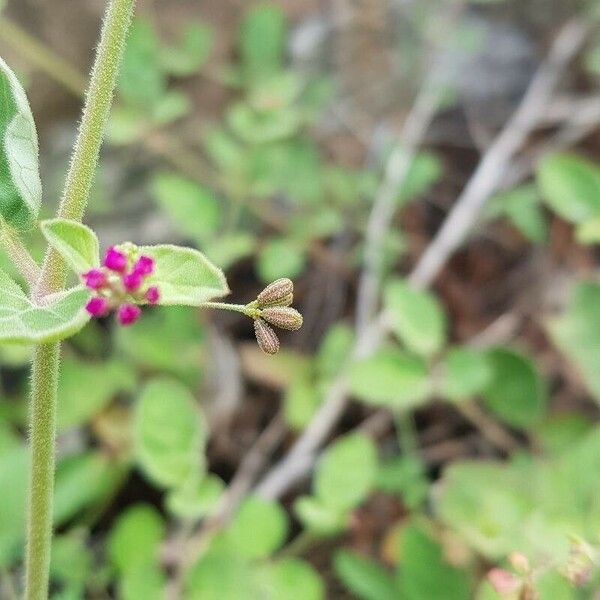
(119, 285)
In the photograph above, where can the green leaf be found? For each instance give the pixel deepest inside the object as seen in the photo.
(588, 232)
(71, 560)
(262, 40)
(487, 504)
(76, 243)
(570, 186)
(522, 207)
(577, 333)
(364, 577)
(262, 127)
(301, 400)
(416, 318)
(406, 476)
(390, 378)
(169, 433)
(222, 574)
(559, 432)
(25, 322)
(258, 528)
(192, 52)
(82, 481)
(424, 573)
(146, 581)
(280, 258)
(196, 497)
(466, 373)
(424, 170)
(20, 186)
(516, 392)
(85, 388)
(291, 579)
(192, 208)
(180, 350)
(346, 473)
(135, 537)
(318, 518)
(184, 276)
(334, 350)
(171, 106)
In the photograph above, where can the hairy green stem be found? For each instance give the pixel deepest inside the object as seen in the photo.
(46, 358)
(42, 434)
(89, 139)
(245, 309)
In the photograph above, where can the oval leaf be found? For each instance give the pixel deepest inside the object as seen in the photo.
(184, 276)
(76, 243)
(416, 318)
(169, 433)
(20, 186)
(25, 322)
(571, 186)
(390, 378)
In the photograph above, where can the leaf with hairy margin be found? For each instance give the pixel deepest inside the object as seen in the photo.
(20, 186)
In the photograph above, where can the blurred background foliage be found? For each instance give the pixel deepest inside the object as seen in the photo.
(260, 134)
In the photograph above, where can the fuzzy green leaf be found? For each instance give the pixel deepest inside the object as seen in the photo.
(364, 577)
(416, 318)
(258, 528)
(20, 186)
(346, 473)
(515, 392)
(169, 433)
(577, 333)
(184, 276)
(75, 242)
(570, 185)
(25, 322)
(390, 378)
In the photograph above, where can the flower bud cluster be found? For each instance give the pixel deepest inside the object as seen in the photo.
(272, 307)
(120, 284)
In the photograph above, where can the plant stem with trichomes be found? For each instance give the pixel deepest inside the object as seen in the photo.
(47, 356)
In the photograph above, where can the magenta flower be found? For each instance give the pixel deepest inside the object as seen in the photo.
(128, 313)
(94, 279)
(152, 294)
(132, 281)
(144, 265)
(120, 293)
(115, 260)
(97, 306)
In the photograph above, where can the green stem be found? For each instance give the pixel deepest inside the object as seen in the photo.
(41, 474)
(93, 124)
(46, 358)
(241, 308)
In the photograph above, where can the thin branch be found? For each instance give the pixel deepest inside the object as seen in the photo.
(19, 255)
(482, 184)
(497, 158)
(415, 127)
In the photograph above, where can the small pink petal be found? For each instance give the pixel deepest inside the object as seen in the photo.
(152, 295)
(115, 260)
(502, 581)
(94, 279)
(128, 314)
(144, 265)
(132, 281)
(97, 306)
